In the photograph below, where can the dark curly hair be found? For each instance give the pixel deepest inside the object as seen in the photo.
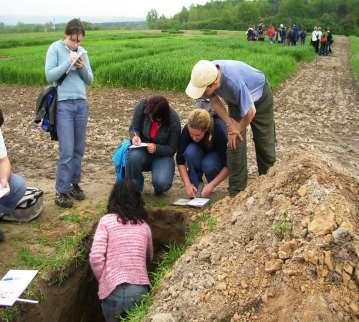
(126, 201)
(159, 109)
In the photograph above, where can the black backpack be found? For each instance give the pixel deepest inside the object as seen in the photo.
(46, 105)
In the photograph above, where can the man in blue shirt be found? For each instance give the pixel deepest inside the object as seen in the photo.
(250, 101)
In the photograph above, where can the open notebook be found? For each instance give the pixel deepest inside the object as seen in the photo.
(13, 284)
(195, 202)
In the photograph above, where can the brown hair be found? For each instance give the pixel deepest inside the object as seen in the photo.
(159, 109)
(74, 27)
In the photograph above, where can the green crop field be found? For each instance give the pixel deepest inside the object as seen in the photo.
(146, 59)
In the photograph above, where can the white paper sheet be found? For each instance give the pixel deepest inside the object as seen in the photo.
(142, 145)
(13, 284)
(195, 202)
(198, 202)
(4, 190)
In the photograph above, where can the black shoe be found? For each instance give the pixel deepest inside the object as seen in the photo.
(2, 236)
(63, 200)
(77, 193)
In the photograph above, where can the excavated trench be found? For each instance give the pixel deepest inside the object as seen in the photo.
(76, 300)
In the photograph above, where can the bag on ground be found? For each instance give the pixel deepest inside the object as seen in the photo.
(29, 207)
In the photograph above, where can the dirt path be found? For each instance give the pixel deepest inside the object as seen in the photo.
(318, 110)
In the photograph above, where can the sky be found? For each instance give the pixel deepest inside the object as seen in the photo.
(80, 8)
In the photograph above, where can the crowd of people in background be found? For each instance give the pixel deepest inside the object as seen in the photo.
(321, 40)
(284, 34)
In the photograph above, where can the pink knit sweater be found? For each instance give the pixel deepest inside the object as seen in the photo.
(119, 253)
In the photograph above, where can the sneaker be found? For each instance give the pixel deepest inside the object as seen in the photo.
(2, 236)
(77, 193)
(63, 200)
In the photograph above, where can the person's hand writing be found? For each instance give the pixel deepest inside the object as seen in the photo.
(80, 63)
(136, 140)
(191, 190)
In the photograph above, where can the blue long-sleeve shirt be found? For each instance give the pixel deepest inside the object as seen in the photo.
(241, 84)
(58, 62)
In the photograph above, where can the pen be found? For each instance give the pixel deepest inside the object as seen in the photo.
(27, 301)
(8, 279)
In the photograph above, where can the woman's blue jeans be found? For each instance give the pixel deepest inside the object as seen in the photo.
(9, 202)
(71, 122)
(162, 168)
(122, 299)
(198, 163)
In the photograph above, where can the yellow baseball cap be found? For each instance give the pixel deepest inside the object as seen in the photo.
(204, 73)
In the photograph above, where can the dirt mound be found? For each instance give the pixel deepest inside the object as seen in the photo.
(286, 249)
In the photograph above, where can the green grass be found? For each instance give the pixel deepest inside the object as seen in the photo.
(355, 56)
(68, 250)
(9, 314)
(56, 255)
(159, 61)
(168, 259)
(282, 227)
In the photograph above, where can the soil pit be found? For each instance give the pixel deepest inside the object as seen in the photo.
(77, 300)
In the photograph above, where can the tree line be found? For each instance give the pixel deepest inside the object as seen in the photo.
(49, 26)
(342, 16)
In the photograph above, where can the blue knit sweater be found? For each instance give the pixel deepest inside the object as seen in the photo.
(58, 62)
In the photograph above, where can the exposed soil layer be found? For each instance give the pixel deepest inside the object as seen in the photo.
(76, 300)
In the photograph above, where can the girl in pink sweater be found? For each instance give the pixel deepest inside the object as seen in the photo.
(121, 248)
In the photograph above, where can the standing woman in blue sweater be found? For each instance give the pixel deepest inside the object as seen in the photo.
(72, 109)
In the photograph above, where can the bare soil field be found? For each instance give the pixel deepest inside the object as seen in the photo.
(317, 118)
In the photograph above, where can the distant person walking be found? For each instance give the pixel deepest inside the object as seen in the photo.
(315, 39)
(249, 98)
(295, 35)
(302, 36)
(121, 249)
(72, 109)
